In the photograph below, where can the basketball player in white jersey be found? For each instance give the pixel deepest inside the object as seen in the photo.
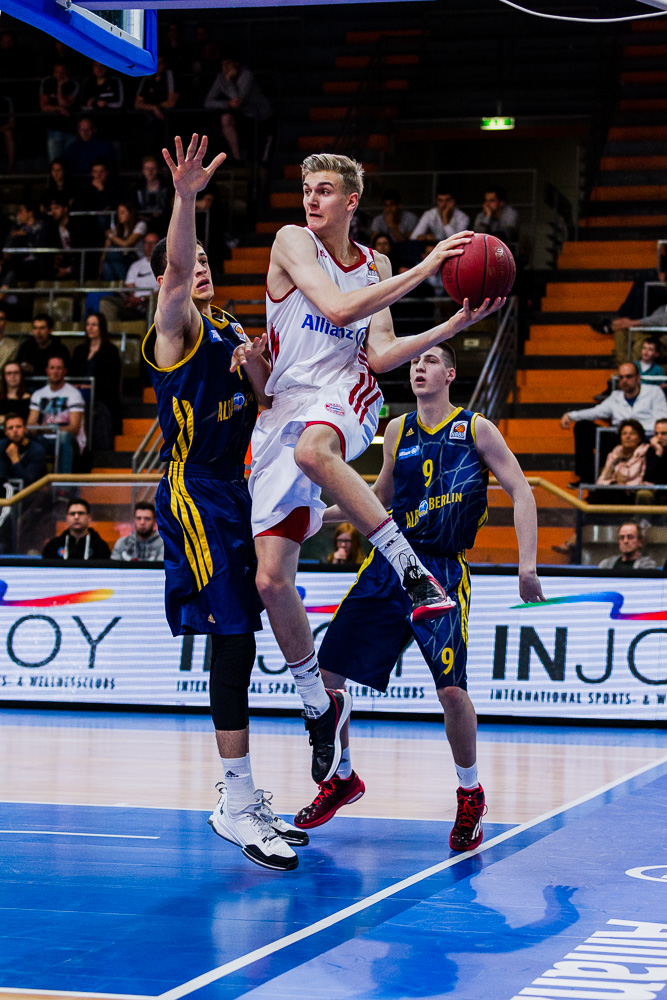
(322, 290)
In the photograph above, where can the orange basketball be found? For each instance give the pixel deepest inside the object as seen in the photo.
(485, 270)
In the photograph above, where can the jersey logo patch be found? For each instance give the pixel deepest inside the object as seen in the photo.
(214, 335)
(408, 433)
(408, 452)
(458, 431)
(335, 408)
(239, 400)
(238, 329)
(423, 508)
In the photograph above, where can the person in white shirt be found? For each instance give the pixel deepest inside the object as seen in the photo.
(443, 221)
(141, 280)
(58, 404)
(633, 399)
(497, 218)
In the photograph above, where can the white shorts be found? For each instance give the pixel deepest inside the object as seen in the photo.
(277, 484)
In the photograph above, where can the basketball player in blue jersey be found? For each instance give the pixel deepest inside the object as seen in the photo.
(435, 471)
(207, 405)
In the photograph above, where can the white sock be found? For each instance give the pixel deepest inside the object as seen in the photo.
(309, 684)
(239, 783)
(345, 767)
(394, 547)
(467, 776)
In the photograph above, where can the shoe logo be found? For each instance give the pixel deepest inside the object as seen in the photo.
(478, 827)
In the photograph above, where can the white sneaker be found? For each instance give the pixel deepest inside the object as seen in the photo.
(253, 833)
(289, 833)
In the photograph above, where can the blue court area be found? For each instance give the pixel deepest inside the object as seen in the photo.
(133, 902)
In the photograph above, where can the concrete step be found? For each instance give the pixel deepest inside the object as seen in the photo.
(584, 295)
(577, 339)
(617, 254)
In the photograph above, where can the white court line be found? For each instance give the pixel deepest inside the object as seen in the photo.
(67, 833)
(285, 942)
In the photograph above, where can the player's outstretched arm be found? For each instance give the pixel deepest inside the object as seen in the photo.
(294, 257)
(383, 487)
(495, 454)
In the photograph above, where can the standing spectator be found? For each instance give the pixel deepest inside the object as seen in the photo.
(79, 540)
(156, 96)
(61, 233)
(123, 234)
(57, 97)
(630, 542)
(59, 405)
(8, 347)
(143, 544)
(102, 91)
(87, 148)
(238, 96)
(142, 281)
(59, 188)
(34, 353)
(625, 465)
(20, 457)
(7, 127)
(347, 548)
(99, 358)
(14, 397)
(152, 195)
(498, 218)
(394, 221)
(443, 221)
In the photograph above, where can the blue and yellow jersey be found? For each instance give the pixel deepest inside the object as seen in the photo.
(439, 483)
(206, 412)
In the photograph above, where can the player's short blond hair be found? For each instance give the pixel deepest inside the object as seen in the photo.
(350, 172)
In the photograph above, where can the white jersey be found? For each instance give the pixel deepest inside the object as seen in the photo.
(306, 350)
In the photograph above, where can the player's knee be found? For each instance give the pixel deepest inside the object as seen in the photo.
(452, 699)
(271, 581)
(314, 450)
(231, 666)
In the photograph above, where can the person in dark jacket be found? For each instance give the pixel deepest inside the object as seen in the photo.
(99, 357)
(79, 540)
(20, 457)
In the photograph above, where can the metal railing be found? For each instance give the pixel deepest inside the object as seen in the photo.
(60, 290)
(147, 456)
(498, 376)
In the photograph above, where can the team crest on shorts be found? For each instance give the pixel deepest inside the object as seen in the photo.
(335, 408)
(239, 401)
(458, 431)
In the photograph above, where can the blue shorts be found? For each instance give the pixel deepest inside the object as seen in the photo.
(209, 555)
(372, 625)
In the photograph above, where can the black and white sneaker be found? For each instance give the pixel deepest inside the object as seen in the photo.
(252, 831)
(324, 733)
(429, 598)
(289, 833)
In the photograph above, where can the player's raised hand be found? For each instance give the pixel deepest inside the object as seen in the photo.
(466, 316)
(251, 351)
(188, 172)
(451, 247)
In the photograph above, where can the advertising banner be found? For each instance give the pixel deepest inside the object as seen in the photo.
(597, 649)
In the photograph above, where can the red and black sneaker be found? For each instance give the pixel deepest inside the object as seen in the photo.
(333, 794)
(467, 831)
(429, 598)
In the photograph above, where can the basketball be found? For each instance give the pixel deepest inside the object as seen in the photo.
(485, 270)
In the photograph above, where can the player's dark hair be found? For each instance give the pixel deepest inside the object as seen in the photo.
(159, 257)
(449, 352)
(145, 505)
(79, 503)
(43, 318)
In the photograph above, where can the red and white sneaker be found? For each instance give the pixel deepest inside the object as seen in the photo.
(333, 794)
(429, 598)
(467, 831)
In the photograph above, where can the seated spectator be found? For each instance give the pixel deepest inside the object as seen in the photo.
(498, 218)
(142, 281)
(394, 221)
(87, 148)
(443, 221)
(60, 407)
(99, 196)
(59, 188)
(153, 196)
(385, 245)
(79, 540)
(644, 403)
(64, 233)
(14, 397)
(633, 308)
(347, 548)
(630, 541)
(20, 456)
(625, 465)
(156, 96)
(99, 358)
(620, 326)
(649, 359)
(124, 233)
(236, 93)
(8, 346)
(34, 352)
(102, 91)
(7, 130)
(29, 231)
(143, 544)
(656, 466)
(57, 96)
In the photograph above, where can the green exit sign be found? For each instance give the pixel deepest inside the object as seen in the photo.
(497, 124)
(384, 412)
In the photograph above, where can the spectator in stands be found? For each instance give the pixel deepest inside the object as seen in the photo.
(88, 148)
(59, 188)
(143, 544)
(620, 326)
(630, 542)
(498, 218)
(625, 465)
(206, 62)
(59, 406)
(394, 220)
(153, 197)
(34, 352)
(124, 233)
(644, 403)
(57, 96)
(29, 231)
(443, 221)
(79, 540)
(237, 95)
(7, 130)
(99, 357)
(156, 96)
(102, 91)
(21, 457)
(648, 366)
(140, 278)
(8, 347)
(100, 197)
(175, 49)
(62, 232)
(347, 547)
(14, 397)
(656, 466)
(385, 245)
